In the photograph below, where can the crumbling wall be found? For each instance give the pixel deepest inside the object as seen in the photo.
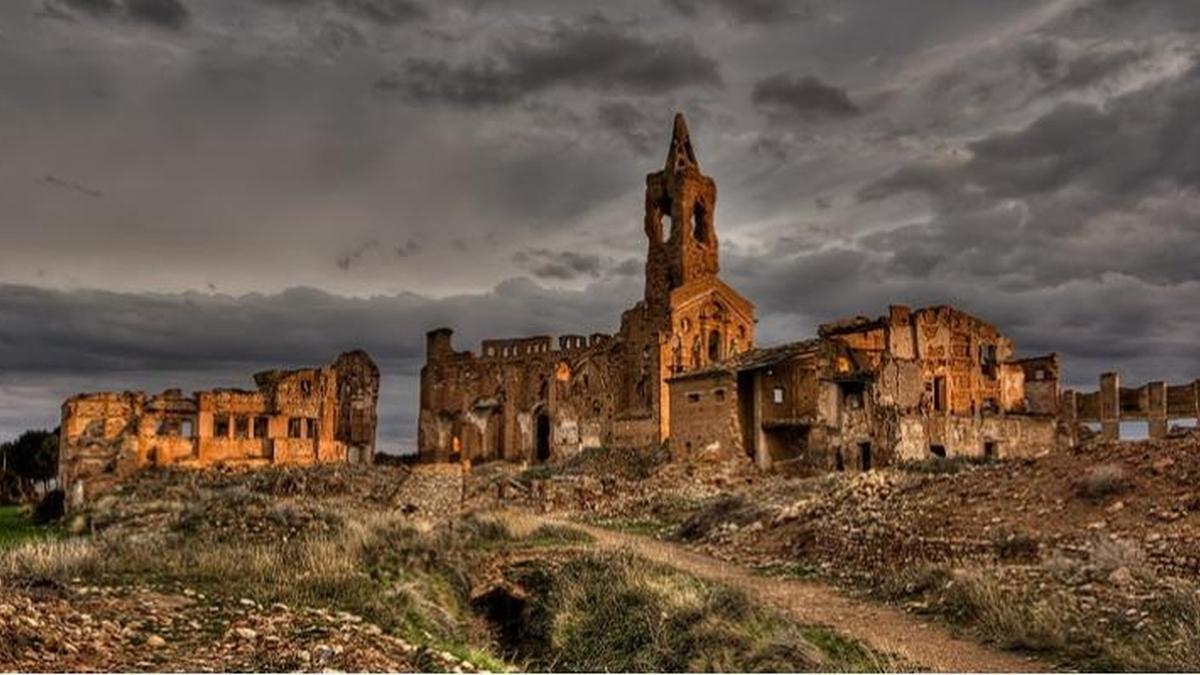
(290, 419)
(1156, 403)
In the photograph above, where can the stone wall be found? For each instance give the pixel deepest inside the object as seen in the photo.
(302, 416)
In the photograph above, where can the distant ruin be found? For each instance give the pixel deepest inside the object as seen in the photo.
(306, 416)
(1156, 403)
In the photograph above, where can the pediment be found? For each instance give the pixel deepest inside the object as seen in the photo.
(712, 288)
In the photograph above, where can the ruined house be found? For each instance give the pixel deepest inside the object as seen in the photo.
(532, 399)
(304, 416)
(870, 392)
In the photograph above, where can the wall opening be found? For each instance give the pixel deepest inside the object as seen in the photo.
(699, 227)
(864, 456)
(543, 437)
(839, 462)
(777, 394)
(186, 429)
(261, 427)
(241, 427)
(938, 451)
(714, 346)
(939, 394)
(221, 426)
(990, 450)
(294, 427)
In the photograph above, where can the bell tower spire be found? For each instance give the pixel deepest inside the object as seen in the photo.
(680, 202)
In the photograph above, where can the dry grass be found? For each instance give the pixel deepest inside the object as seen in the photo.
(1103, 481)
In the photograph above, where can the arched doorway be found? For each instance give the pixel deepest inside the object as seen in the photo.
(542, 438)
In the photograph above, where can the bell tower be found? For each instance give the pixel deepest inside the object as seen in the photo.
(680, 202)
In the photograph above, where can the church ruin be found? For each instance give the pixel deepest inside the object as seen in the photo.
(533, 399)
(684, 368)
(306, 416)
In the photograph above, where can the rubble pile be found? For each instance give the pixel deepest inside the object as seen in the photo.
(138, 628)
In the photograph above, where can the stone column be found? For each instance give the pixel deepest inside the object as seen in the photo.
(1068, 411)
(1110, 407)
(1156, 411)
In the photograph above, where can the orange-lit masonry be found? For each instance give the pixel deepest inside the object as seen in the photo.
(304, 416)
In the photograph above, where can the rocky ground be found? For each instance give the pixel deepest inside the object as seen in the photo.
(1093, 551)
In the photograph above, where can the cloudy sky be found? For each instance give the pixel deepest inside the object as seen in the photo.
(191, 190)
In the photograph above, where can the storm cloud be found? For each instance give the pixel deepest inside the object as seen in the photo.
(194, 190)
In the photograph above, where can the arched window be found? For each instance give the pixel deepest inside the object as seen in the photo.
(714, 346)
(699, 226)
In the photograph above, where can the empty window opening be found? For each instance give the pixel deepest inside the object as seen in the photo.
(186, 428)
(693, 398)
(666, 226)
(777, 394)
(1039, 374)
(839, 462)
(543, 437)
(241, 427)
(314, 428)
(306, 387)
(990, 405)
(938, 451)
(989, 450)
(939, 394)
(261, 426)
(720, 394)
(852, 395)
(699, 223)
(295, 427)
(221, 426)
(864, 456)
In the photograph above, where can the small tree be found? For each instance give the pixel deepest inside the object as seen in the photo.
(33, 456)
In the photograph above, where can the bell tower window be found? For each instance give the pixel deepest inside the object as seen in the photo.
(699, 224)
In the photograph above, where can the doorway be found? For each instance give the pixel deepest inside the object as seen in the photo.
(543, 437)
(864, 456)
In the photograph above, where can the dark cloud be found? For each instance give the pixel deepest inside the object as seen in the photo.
(56, 182)
(747, 11)
(631, 124)
(354, 256)
(95, 7)
(803, 97)
(163, 13)
(561, 265)
(593, 54)
(385, 12)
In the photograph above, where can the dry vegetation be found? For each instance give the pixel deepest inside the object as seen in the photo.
(1089, 558)
(298, 569)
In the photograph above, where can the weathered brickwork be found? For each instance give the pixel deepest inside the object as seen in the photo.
(303, 416)
(871, 392)
(532, 399)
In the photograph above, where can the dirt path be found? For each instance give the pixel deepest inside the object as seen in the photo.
(925, 644)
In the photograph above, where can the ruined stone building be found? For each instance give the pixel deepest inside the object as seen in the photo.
(1155, 403)
(533, 398)
(304, 416)
(870, 392)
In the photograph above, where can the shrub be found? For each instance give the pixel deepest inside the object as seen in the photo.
(1102, 481)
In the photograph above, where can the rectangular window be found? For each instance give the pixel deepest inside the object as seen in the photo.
(777, 394)
(693, 398)
(261, 426)
(295, 427)
(221, 426)
(306, 387)
(720, 394)
(241, 427)
(314, 428)
(185, 428)
(939, 394)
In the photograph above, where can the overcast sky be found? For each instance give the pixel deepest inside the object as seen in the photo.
(191, 190)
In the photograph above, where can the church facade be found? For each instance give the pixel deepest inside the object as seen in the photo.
(536, 398)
